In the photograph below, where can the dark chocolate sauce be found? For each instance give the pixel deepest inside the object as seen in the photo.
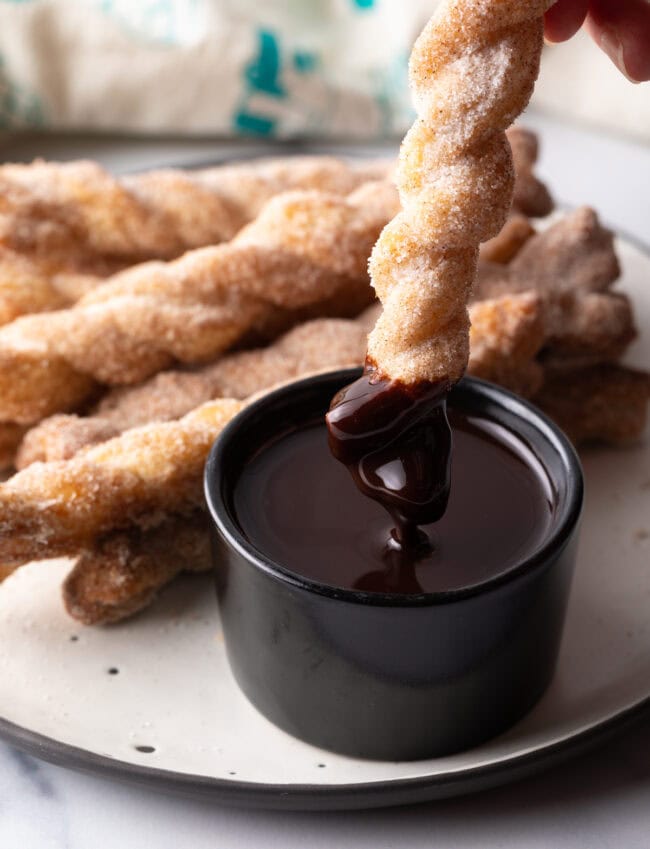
(396, 442)
(297, 505)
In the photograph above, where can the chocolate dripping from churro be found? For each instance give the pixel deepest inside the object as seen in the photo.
(396, 441)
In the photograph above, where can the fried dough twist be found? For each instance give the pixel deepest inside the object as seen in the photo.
(306, 250)
(34, 285)
(53, 509)
(72, 211)
(507, 334)
(123, 571)
(530, 197)
(571, 266)
(77, 209)
(65, 227)
(472, 71)
(308, 348)
(142, 476)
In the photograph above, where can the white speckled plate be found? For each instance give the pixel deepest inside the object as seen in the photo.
(153, 700)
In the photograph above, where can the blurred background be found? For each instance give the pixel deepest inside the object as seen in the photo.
(321, 69)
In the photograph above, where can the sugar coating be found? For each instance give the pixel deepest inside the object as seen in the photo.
(563, 274)
(136, 478)
(306, 248)
(312, 346)
(77, 209)
(602, 402)
(29, 284)
(472, 71)
(571, 267)
(66, 227)
(121, 572)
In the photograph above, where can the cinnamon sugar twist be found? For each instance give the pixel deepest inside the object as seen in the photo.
(472, 71)
(68, 210)
(71, 225)
(507, 333)
(122, 572)
(306, 250)
(57, 508)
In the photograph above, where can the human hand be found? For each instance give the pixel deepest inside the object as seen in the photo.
(620, 27)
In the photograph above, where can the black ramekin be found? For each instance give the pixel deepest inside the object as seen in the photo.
(392, 677)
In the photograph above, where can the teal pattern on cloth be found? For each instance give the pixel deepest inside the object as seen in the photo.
(263, 78)
(19, 108)
(263, 72)
(266, 94)
(363, 4)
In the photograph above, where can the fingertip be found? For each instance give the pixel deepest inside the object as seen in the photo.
(621, 28)
(564, 19)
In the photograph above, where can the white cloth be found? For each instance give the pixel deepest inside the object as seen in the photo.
(320, 68)
(267, 67)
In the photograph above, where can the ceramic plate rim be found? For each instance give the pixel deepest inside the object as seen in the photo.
(323, 797)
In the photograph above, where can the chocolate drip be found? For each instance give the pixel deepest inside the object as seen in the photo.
(396, 442)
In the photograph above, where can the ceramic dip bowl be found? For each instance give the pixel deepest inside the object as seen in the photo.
(381, 675)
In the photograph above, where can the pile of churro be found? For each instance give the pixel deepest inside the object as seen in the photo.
(140, 314)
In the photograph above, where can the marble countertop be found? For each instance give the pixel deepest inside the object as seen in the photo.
(600, 800)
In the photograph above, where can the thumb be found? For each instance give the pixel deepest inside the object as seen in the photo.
(622, 29)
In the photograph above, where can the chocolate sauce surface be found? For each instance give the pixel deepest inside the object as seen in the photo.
(300, 507)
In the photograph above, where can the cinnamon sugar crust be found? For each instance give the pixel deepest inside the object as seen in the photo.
(472, 71)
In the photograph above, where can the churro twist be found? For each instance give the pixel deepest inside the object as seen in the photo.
(144, 475)
(124, 571)
(65, 227)
(472, 71)
(570, 267)
(507, 333)
(52, 509)
(33, 285)
(306, 250)
(77, 209)
(311, 347)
